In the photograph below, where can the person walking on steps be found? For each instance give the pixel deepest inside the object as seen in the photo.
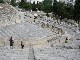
(11, 43)
(22, 46)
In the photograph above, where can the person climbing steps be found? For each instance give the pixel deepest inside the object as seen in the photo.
(11, 43)
(22, 46)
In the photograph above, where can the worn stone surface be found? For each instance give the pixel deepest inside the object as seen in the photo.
(54, 41)
(24, 31)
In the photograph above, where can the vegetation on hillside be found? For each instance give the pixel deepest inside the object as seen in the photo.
(77, 10)
(25, 5)
(13, 2)
(1, 1)
(59, 9)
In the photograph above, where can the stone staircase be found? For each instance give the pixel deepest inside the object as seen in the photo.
(13, 54)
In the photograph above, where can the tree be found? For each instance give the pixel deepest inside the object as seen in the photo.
(22, 1)
(55, 6)
(13, 2)
(1, 1)
(47, 6)
(21, 4)
(34, 6)
(40, 6)
(62, 10)
(25, 5)
(77, 10)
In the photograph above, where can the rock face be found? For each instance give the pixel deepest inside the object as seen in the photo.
(24, 31)
(51, 41)
(8, 15)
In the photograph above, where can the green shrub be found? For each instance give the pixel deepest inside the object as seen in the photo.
(1, 1)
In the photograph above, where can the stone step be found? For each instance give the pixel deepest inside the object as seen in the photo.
(14, 54)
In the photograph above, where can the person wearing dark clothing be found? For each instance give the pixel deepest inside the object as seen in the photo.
(11, 43)
(22, 46)
(66, 38)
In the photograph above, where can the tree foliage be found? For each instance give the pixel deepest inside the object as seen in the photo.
(62, 10)
(47, 6)
(34, 6)
(1, 1)
(77, 10)
(40, 6)
(13, 2)
(25, 5)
